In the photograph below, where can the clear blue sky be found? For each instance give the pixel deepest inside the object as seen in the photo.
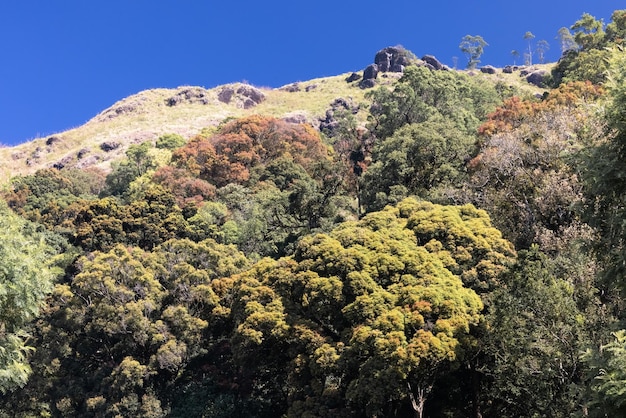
(64, 61)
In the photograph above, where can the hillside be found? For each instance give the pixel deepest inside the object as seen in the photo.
(188, 110)
(408, 240)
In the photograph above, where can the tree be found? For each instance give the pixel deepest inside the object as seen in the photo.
(365, 319)
(473, 47)
(26, 275)
(123, 331)
(603, 173)
(528, 36)
(616, 29)
(607, 377)
(422, 94)
(422, 158)
(137, 163)
(567, 41)
(170, 141)
(537, 333)
(541, 48)
(527, 151)
(588, 32)
(515, 54)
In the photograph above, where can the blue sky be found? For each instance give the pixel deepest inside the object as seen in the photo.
(64, 61)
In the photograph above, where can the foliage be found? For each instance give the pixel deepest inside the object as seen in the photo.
(102, 223)
(170, 141)
(366, 318)
(27, 269)
(137, 163)
(607, 377)
(422, 94)
(264, 270)
(537, 332)
(472, 47)
(604, 177)
(586, 52)
(418, 159)
(525, 173)
(228, 156)
(128, 324)
(40, 196)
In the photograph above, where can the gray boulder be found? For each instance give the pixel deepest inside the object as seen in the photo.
(253, 94)
(433, 62)
(353, 77)
(537, 78)
(291, 88)
(192, 95)
(392, 58)
(226, 94)
(370, 72)
(109, 146)
(488, 69)
(367, 83)
(52, 140)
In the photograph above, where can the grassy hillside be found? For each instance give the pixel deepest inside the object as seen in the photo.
(149, 114)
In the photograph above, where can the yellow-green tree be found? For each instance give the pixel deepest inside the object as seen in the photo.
(367, 318)
(26, 274)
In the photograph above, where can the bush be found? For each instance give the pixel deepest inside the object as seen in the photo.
(170, 141)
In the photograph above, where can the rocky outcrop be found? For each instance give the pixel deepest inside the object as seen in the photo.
(82, 153)
(392, 59)
(329, 124)
(370, 72)
(369, 76)
(59, 165)
(192, 95)
(353, 77)
(242, 96)
(488, 69)
(433, 62)
(109, 146)
(290, 88)
(52, 140)
(537, 78)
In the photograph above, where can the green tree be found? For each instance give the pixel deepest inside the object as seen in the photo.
(422, 159)
(473, 47)
(120, 334)
(604, 178)
(27, 271)
(515, 54)
(607, 377)
(367, 318)
(588, 32)
(537, 332)
(566, 39)
(616, 29)
(422, 94)
(170, 141)
(137, 163)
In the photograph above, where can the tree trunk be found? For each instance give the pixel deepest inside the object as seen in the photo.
(418, 404)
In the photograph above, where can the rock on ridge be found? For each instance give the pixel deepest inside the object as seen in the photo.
(243, 96)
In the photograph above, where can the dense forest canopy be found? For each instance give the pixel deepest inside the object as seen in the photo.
(459, 254)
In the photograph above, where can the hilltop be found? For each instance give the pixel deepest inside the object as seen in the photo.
(188, 110)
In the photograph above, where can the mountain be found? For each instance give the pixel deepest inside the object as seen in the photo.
(381, 243)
